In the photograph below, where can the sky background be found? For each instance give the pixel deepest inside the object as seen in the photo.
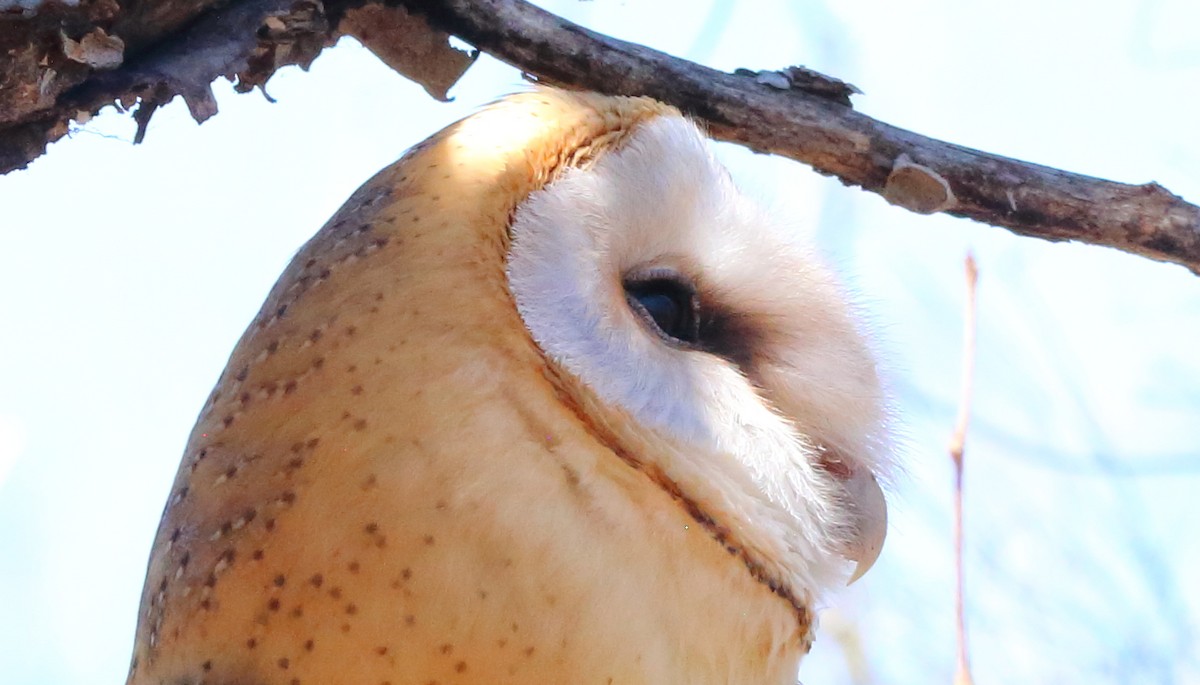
(130, 272)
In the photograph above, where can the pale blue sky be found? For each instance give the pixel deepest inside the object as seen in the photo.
(129, 273)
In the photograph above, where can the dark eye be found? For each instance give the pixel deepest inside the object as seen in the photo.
(667, 304)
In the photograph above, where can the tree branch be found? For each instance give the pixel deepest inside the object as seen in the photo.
(42, 88)
(793, 113)
(907, 169)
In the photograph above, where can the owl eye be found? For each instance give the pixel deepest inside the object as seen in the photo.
(668, 305)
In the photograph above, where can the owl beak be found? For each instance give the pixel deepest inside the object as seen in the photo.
(867, 496)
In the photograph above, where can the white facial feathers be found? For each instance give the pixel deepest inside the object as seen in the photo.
(773, 421)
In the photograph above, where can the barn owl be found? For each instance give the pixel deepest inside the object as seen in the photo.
(547, 401)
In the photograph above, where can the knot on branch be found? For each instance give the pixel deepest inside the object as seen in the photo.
(918, 188)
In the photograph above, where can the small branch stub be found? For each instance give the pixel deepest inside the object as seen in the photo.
(917, 188)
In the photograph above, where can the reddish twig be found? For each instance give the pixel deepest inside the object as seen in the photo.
(962, 674)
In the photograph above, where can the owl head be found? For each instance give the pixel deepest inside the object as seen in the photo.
(548, 400)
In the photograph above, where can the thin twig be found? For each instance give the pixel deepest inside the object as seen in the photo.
(962, 674)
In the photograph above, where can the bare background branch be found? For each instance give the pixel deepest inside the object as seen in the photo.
(958, 441)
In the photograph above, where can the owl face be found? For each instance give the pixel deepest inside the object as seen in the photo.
(717, 351)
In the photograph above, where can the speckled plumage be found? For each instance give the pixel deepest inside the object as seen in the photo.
(391, 483)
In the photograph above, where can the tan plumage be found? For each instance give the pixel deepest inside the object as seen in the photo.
(393, 483)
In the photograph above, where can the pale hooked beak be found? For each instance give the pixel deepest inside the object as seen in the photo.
(871, 510)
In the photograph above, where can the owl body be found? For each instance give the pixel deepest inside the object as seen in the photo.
(406, 475)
